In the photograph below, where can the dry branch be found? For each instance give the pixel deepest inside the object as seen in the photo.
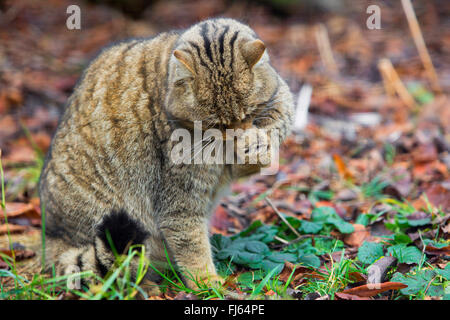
(326, 54)
(391, 81)
(420, 44)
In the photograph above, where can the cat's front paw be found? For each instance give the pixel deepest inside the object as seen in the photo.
(205, 281)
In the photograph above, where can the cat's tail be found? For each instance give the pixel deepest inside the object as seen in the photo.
(114, 235)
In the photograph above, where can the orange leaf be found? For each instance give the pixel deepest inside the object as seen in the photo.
(270, 293)
(356, 238)
(342, 168)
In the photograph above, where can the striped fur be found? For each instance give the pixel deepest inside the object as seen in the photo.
(111, 149)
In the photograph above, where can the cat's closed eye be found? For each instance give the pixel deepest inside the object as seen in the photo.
(183, 82)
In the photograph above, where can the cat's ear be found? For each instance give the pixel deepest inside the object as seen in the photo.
(185, 61)
(253, 51)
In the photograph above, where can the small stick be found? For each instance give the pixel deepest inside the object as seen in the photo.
(281, 240)
(392, 79)
(420, 44)
(281, 217)
(326, 54)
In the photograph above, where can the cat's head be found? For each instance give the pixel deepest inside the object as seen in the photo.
(219, 73)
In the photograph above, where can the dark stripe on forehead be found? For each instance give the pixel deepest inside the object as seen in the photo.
(202, 62)
(206, 41)
(221, 45)
(232, 41)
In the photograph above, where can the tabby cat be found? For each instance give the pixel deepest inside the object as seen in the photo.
(108, 181)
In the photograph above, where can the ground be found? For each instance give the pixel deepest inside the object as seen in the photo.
(360, 206)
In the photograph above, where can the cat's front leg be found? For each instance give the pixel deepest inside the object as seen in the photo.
(188, 243)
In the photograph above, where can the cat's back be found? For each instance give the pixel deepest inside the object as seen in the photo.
(106, 131)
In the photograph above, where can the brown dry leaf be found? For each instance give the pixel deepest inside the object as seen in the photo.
(439, 195)
(357, 276)
(19, 254)
(424, 153)
(369, 290)
(357, 237)
(299, 274)
(221, 221)
(20, 154)
(15, 209)
(12, 228)
(3, 265)
(346, 296)
(432, 250)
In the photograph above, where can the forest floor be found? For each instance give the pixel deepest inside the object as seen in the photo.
(360, 207)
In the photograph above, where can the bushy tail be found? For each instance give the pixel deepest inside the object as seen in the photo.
(115, 234)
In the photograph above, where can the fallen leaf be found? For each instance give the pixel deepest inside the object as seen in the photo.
(356, 238)
(357, 276)
(432, 250)
(369, 290)
(19, 254)
(299, 274)
(3, 265)
(439, 196)
(16, 209)
(424, 153)
(342, 168)
(12, 228)
(270, 293)
(346, 296)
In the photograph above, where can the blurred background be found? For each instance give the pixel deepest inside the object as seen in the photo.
(376, 109)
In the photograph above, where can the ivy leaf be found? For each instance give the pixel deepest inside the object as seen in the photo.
(445, 273)
(310, 260)
(308, 227)
(257, 247)
(369, 252)
(341, 225)
(400, 238)
(321, 214)
(246, 258)
(329, 216)
(281, 257)
(405, 254)
(247, 279)
(418, 283)
(219, 242)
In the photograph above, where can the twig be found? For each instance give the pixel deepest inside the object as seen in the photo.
(281, 240)
(392, 80)
(420, 44)
(281, 217)
(326, 54)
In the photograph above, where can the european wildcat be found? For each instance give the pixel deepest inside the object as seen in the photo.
(108, 168)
